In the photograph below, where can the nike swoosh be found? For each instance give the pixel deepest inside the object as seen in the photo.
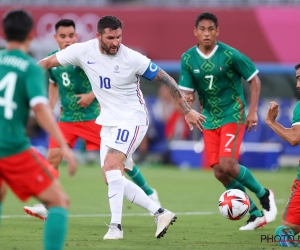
(112, 196)
(88, 62)
(119, 142)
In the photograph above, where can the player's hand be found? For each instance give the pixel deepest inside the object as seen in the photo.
(272, 113)
(193, 118)
(251, 121)
(70, 158)
(189, 97)
(85, 99)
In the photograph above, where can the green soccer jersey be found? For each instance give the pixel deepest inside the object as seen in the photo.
(217, 80)
(22, 85)
(296, 121)
(72, 80)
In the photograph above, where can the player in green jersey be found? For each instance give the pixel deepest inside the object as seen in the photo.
(291, 214)
(214, 70)
(24, 170)
(79, 110)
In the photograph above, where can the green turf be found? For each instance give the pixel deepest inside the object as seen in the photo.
(179, 190)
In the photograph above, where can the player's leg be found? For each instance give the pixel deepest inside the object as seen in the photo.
(212, 140)
(2, 195)
(90, 132)
(117, 146)
(56, 225)
(55, 155)
(29, 175)
(139, 180)
(231, 139)
(290, 219)
(256, 218)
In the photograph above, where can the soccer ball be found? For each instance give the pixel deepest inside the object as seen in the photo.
(234, 204)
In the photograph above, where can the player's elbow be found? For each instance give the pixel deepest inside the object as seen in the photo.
(294, 141)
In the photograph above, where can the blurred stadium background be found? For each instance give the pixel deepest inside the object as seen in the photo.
(264, 30)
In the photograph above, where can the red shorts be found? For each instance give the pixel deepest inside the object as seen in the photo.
(223, 142)
(27, 173)
(291, 212)
(87, 130)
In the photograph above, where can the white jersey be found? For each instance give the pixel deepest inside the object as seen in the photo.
(114, 80)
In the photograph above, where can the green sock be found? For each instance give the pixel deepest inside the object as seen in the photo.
(0, 212)
(139, 180)
(247, 179)
(236, 185)
(55, 228)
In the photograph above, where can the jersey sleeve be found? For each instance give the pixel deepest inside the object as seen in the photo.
(140, 62)
(70, 55)
(296, 115)
(36, 85)
(186, 81)
(244, 66)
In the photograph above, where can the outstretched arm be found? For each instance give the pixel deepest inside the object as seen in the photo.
(192, 117)
(171, 85)
(291, 135)
(49, 62)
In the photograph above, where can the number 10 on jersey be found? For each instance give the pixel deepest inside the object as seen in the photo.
(104, 82)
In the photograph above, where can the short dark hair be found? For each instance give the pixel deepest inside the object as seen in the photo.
(297, 66)
(17, 25)
(64, 23)
(111, 22)
(206, 16)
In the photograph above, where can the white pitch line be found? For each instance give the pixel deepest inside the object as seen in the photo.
(108, 215)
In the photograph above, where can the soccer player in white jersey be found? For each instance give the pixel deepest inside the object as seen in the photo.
(114, 71)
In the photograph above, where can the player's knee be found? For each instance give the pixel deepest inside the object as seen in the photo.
(218, 174)
(227, 165)
(295, 227)
(111, 164)
(60, 200)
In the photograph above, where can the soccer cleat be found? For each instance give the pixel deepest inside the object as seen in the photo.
(287, 237)
(114, 233)
(154, 197)
(38, 210)
(163, 221)
(269, 206)
(254, 222)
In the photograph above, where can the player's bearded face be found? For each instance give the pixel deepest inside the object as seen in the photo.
(110, 41)
(206, 33)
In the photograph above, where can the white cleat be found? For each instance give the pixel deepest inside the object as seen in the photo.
(114, 233)
(38, 210)
(269, 206)
(163, 221)
(154, 197)
(254, 222)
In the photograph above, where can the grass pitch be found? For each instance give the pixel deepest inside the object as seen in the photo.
(192, 194)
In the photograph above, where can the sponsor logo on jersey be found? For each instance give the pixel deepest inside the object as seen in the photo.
(117, 69)
(88, 62)
(196, 70)
(227, 150)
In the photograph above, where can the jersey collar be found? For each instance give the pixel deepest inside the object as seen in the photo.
(209, 55)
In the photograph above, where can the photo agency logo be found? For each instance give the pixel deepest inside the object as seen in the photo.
(269, 238)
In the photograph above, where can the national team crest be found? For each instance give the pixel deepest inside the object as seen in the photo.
(116, 70)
